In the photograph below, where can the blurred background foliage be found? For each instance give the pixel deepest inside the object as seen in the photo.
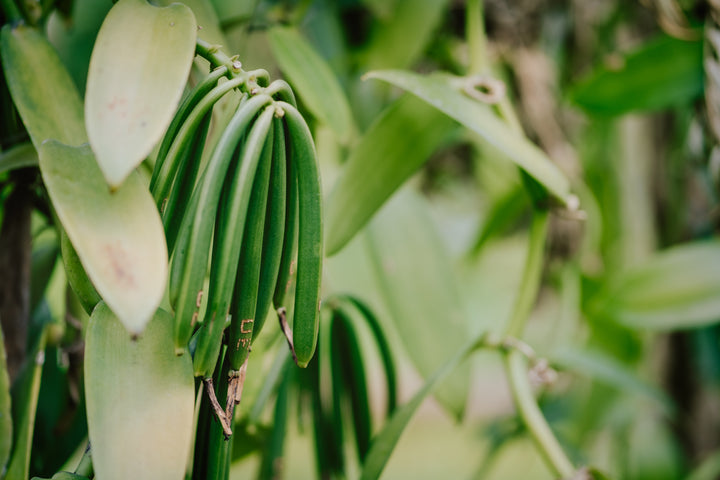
(623, 96)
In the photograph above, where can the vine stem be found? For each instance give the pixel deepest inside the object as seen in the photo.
(547, 444)
(475, 31)
(532, 274)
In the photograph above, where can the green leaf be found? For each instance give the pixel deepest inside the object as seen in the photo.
(399, 39)
(606, 369)
(662, 73)
(677, 288)
(118, 236)
(414, 274)
(709, 469)
(19, 156)
(42, 89)
(384, 442)
(394, 147)
(138, 70)
(24, 403)
(140, 399)
(445, 93)
(313, 80)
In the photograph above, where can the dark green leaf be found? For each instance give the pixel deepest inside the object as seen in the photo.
(662, 73)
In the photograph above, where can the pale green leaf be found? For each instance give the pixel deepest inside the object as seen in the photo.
(138, 70)
(445, 93)
(42, 90)
(384, 442)
(313, 80)
(677, 288)
(414, 273)
(394, 147)
(140, 399)
(118, 236)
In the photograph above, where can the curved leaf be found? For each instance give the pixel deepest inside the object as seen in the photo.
(384, 442)
(677, 288)
(118, 236)
(662, 73)
(313, 80)
(393, 148)
(140, 399)
(413, 272)
(19, 156)
(138, 70)
(42, 89)
(445, 93)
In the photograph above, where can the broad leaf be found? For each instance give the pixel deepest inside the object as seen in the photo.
(414, 274)
(677, 288)
(138, 70)
(140, 399)
(394, 147)
(663, 73)
(313, 80)
(445, 93)
(42, 90)
(118, 236)
(384, 442)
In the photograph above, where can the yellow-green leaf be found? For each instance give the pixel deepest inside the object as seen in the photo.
(138, 70)
(675, 289)
(313, 80)
(394, 147)
(445, 93)
(117, 235)
(140, 399)
(43, 92)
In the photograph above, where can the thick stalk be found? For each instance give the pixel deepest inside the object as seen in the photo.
(516, 366)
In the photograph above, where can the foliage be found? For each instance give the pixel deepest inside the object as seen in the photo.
(431, 180)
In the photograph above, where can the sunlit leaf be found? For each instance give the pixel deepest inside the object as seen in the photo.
(140, 399)
(138, 70)
(662, 73)
(677, 288)
(394, 147)
(446, 94)
(313, 80)
(414, 274)
(42, 90)
(118, 236)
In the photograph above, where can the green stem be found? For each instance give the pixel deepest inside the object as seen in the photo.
(476, 38)
(545, 441)
(531, 275)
